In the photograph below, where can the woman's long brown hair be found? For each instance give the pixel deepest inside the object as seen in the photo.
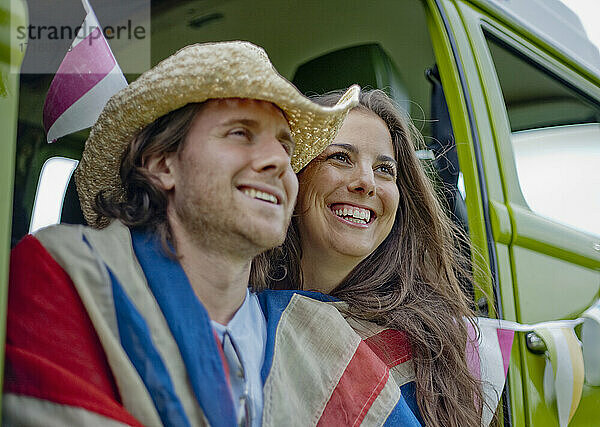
(411, 282)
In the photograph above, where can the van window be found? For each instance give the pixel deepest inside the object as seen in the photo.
(50, 192)
(555, 133)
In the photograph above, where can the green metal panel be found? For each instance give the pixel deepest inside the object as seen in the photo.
(501, 225)
(462, 133)
(498, 214)
(514, 380)
(12, 13)
(557, 240)
(553, 269)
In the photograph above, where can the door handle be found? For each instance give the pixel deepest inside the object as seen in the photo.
(535, 343)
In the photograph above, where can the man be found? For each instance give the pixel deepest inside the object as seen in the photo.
(145, 318)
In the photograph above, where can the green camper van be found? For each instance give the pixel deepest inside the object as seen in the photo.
(505, 92)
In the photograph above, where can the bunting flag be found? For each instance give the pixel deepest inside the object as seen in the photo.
(563, 374)
(590, 335)
(86, 79)
(488, 355)
(568, 361)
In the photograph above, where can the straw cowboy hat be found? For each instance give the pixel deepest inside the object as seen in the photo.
(197, 73)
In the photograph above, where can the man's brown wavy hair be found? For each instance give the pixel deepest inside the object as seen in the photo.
(411, 282)
(145, 204)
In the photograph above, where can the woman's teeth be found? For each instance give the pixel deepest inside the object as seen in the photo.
(357, 215)
(255, 194)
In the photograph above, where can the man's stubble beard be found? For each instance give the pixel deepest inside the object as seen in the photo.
(211, 223)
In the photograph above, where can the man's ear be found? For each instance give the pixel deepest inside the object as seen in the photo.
(161, 167)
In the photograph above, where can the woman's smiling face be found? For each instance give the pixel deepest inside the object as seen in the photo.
(348, 195)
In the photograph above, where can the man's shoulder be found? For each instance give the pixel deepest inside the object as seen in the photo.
(55, 362)
(37, 250)
(58, 232)
(63, 232)
(66, 242)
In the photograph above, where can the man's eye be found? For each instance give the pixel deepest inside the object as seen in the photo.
(240, 132)
(288, 146)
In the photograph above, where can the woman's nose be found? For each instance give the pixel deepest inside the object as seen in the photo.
(363, 182)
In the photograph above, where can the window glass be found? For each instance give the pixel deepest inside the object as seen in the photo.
(559, 173)
(52, 184)
(556, 141)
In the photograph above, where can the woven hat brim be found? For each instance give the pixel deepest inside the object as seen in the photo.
(195, 74)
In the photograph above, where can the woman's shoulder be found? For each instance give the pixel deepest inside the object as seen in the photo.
(392, 346)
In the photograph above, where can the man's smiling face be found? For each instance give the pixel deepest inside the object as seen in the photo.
(232, 179)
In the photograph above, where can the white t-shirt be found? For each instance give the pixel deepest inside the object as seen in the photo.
(248, 332)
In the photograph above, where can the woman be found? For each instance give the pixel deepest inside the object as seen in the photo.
(369, 230)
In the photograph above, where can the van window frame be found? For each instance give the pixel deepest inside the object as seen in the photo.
(532, 233)
(448, 24)
(574, 245)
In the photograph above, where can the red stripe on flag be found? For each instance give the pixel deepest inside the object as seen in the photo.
(391, 346)
(223, 359)
(30, 375)
(52, 349)
(82, 68)
(360, 384)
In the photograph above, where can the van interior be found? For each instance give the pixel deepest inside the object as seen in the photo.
(326, 46)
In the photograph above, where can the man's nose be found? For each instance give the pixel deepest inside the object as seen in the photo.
(363, 181)
(271, 157)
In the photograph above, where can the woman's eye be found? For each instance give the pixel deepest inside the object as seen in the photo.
(340, 157)
(387, 169)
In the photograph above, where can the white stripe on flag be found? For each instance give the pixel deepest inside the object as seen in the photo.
(85, 111)
(90, 23)
(492, 370)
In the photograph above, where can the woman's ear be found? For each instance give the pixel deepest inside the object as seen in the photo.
(162, 168)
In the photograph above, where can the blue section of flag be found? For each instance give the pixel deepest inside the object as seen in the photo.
(190, 325)
(137, 343)
(402, 415)
(409, 392)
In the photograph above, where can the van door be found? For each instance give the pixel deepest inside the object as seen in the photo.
(543, 113)
(11, 56)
